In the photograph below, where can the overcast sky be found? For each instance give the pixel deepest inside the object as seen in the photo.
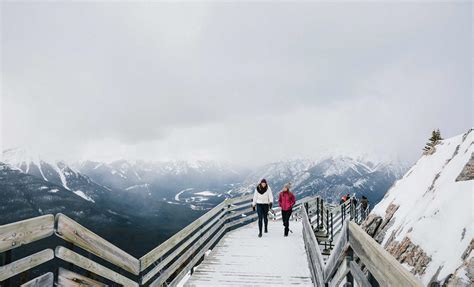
(239, 82)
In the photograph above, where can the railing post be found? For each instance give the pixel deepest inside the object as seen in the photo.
(343, 211)
(327, 222)
(317, 213)
(332, 230)
(351, 208)
(6, 259)
(322, 213)
(349, 258)
(306, 209)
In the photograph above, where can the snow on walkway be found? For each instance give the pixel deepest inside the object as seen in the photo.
(242, 259)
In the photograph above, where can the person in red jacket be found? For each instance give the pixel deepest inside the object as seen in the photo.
(286, 200)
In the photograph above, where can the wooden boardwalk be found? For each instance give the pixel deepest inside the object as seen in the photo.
(243, 259)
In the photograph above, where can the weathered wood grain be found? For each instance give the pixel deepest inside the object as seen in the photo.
(45, 280)
(85, 263)
(77, 234)
(386, 269)
(162, 249)
(312, 247)
(186, 255)
(341, 272)
(358, 275)
(19, 233)
(181, 247)
(68, 278)
(337, 254)
(25, 263)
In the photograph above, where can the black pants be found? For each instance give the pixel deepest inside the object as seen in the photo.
(262, 211)
(285, 214)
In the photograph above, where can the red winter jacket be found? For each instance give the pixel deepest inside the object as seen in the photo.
(286, 200)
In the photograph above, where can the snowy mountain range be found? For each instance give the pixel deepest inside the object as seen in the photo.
(426, 220)
(202, 184)
(329, 177)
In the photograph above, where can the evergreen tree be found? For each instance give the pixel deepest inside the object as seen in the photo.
(435, 138)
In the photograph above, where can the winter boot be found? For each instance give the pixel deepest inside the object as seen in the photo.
(260, 235)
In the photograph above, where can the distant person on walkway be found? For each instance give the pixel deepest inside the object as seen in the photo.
(286, 200)
(364, 203)
(263, 200)
(343, 199)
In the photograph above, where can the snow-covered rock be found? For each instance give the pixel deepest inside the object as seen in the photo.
(426, 219)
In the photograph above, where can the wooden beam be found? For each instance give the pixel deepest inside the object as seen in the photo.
(312, 249)
(386, 269)
(358, 275)
(240, 199)
(45, 280)
(25, 263)
(77, 234)
(68, 278)
(341, 272)
(337, 254)
(85, 263)
(181, 247)
(163, 248)
(19, 233)
(172, 269)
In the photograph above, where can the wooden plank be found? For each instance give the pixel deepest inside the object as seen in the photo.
(233, 261)
(341, 272)
(19, 233)
(68, 278)
(386, 269)
(240, 199)
(239, 213)
(172, 269)
(85, 263)
(25, 263)
(75, 233)
(196, 258)
(181, 247)
(45, 280)
(312, 247)
(162, 249)
(242, 220)
(337, 254)
(358, 275)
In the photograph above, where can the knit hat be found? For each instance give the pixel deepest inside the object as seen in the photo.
(263, 181)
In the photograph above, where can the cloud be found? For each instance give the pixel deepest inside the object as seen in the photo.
(247, 82)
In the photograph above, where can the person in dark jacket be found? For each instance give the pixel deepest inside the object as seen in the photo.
(263, 200)
(286, 200)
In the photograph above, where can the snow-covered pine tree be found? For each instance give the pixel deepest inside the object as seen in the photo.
(435, 138)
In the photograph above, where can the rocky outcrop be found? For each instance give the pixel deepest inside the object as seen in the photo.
(409, 253)
(468, 171)
(404, 251)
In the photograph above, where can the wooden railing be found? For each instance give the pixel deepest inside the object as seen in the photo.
(104, 264)
(353, 252)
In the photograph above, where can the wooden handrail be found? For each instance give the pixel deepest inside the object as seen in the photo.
(155, 254)
(82, 237)
(312, 250)
(19, 233)
(25, 263)
(381, 264)
(85, 263)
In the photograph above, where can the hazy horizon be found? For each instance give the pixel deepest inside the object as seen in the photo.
(246, 83)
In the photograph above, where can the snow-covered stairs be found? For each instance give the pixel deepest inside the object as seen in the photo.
(243, 259)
